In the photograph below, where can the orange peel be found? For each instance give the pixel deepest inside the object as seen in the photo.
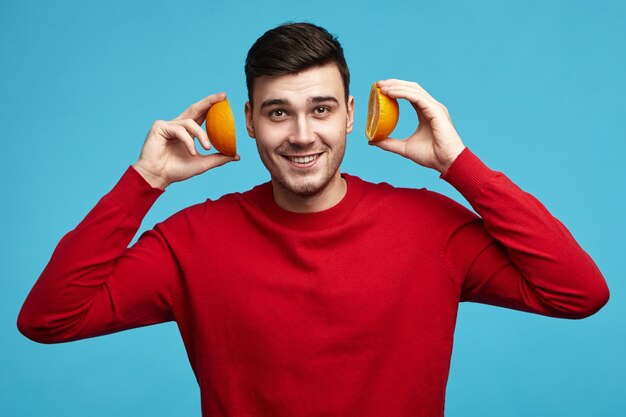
(383, 113)
(220, 128)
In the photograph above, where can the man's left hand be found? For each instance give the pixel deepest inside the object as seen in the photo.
(435, 143)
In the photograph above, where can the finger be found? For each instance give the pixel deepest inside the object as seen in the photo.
(436, 107)
(196, 131)
(409, 86)
(207, 162)
(411, 94)
(177, 132)
(391, 145)
(430, 109)
(407, 90)
(392, 82)
(198, 110)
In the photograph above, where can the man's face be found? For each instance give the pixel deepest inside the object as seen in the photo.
(300, 122)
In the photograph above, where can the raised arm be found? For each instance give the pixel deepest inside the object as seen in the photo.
(94, 284)
(517, 255)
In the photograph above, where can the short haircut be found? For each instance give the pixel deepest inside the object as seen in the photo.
(291, 48)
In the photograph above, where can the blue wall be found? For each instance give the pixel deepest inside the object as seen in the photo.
(536, 90)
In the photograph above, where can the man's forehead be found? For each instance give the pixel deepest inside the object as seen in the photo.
(311, 85)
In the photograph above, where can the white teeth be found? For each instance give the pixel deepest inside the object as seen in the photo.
(303, 159)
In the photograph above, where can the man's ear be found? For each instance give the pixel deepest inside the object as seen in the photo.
(249, 125)
(350, 118)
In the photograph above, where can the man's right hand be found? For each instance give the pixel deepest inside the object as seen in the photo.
(169, 153)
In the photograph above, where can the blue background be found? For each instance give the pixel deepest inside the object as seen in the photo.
(536, 90)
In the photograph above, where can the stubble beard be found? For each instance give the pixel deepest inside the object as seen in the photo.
(315, 183)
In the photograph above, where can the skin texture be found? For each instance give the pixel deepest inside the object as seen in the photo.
(302, 115)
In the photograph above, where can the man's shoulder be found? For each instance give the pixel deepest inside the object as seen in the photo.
(386, 190)
(238, 199)
(387, 197)
(228, 203)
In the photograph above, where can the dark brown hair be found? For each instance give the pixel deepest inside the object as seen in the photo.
(291, 48)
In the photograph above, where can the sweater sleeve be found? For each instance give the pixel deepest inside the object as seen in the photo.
(518, 255)
(94, 284)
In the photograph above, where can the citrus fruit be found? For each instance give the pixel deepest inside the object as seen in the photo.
(220, 127)
(382, 115)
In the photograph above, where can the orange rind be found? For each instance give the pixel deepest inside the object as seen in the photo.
(382, 115)
(220, 128)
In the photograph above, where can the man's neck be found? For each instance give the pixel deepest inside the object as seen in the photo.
(328, 197)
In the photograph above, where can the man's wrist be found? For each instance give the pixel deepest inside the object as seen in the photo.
(154, 180)
(443, 168)
(468, 174)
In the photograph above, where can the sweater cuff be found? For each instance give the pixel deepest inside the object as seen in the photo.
(134, 194)
(468, 174)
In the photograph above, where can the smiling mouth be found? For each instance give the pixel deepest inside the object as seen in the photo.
(302, 160)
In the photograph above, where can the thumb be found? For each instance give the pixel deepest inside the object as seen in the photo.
(391, 145)
(203, 163)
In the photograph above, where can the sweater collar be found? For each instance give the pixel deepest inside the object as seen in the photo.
(330, 217)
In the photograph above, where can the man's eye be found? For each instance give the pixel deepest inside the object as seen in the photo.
(277, 113)
(321, 110)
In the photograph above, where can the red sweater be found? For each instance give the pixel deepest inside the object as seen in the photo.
(345, 312)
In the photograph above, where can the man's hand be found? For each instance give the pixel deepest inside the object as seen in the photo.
(435, 143)
(169, 152)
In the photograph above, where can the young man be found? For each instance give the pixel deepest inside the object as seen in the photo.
(342, 295)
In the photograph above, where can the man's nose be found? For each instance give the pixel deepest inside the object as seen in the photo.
(302, 131)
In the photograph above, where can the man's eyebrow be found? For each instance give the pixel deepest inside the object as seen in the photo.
(274, 102)
(283, 102)
(320, 99)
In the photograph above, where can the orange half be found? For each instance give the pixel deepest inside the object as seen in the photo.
(220, 128)
(382, 115)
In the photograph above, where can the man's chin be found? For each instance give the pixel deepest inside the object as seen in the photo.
(304, 189)
(304, 185)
